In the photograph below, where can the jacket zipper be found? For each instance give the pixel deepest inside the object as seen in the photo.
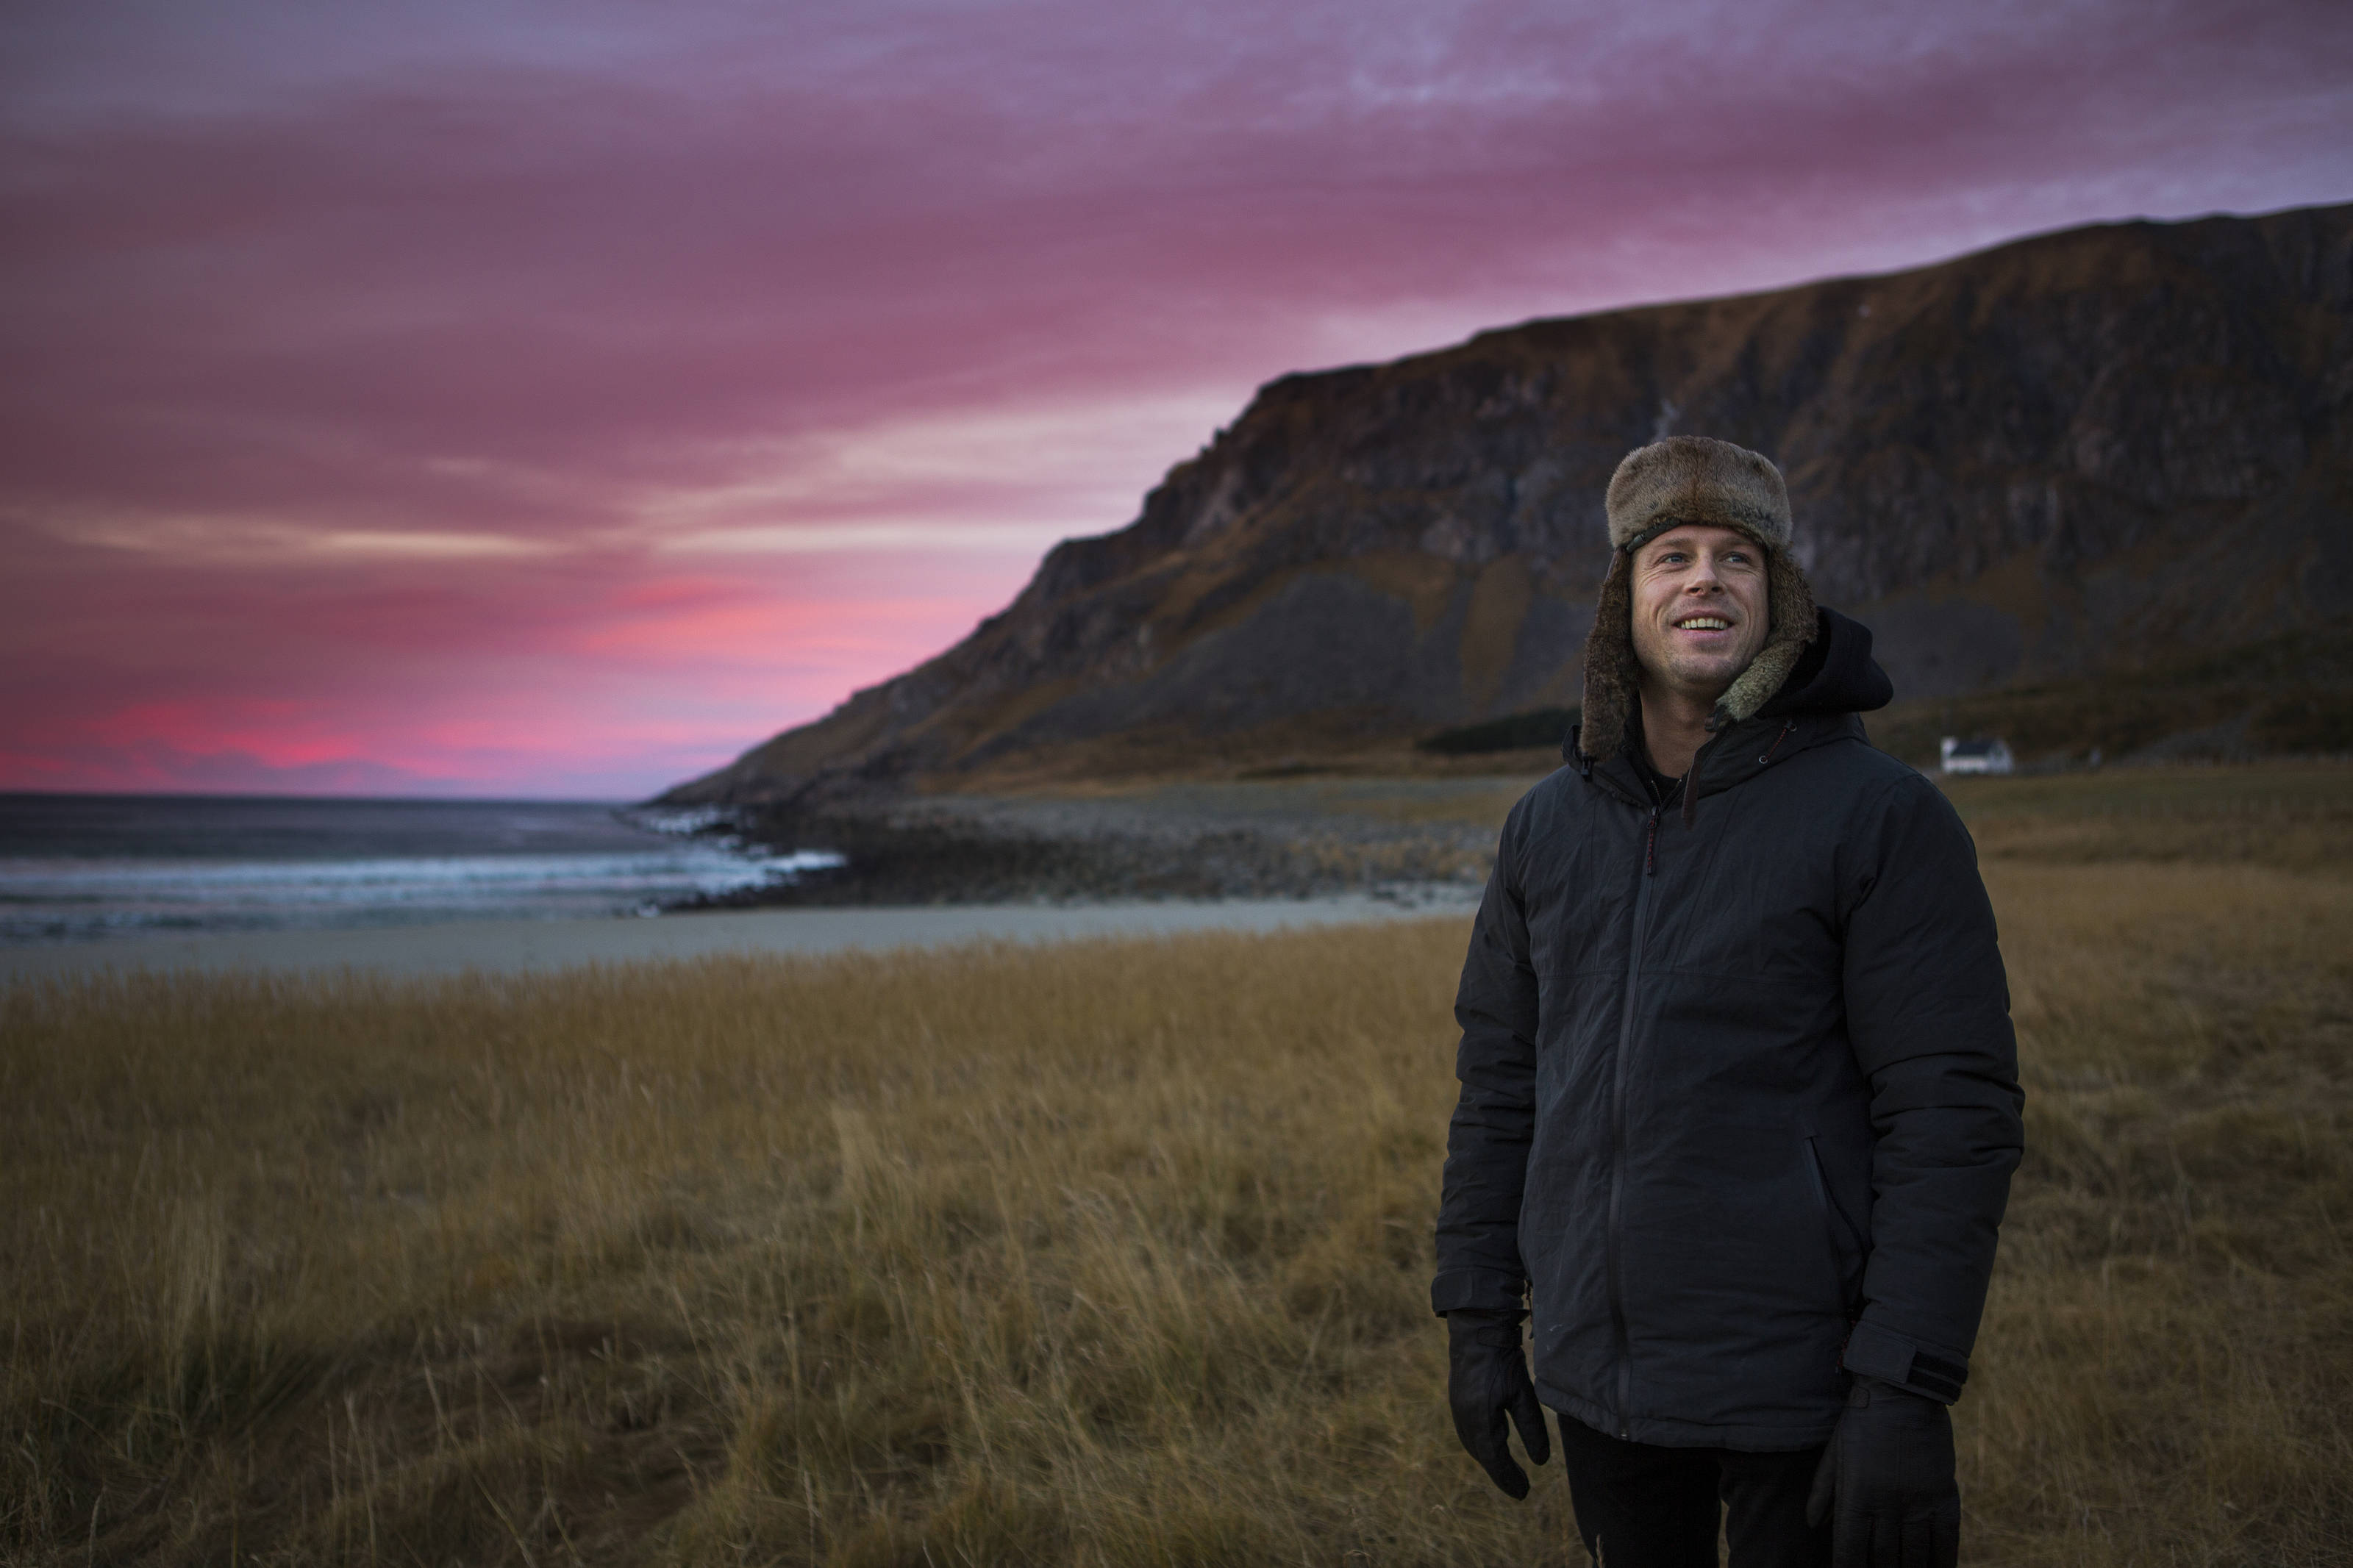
(1612, 1239)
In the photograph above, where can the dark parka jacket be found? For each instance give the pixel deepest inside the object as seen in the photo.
(1740, 1095)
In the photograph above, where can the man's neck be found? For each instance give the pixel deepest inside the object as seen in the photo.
(1674, 727)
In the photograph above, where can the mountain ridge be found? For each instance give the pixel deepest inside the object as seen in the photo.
(2056, 458)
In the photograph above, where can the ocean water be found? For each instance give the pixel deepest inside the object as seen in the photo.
(87, 867)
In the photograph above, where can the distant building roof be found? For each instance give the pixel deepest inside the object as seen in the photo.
(1975, 756)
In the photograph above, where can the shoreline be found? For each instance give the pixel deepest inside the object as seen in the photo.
(932, 872)
(519, 946)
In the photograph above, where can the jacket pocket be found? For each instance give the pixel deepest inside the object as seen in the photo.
(1848, 1250)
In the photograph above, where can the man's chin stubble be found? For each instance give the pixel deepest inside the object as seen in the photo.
(1707, 684)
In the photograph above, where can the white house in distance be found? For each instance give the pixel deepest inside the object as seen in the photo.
(1975, 756)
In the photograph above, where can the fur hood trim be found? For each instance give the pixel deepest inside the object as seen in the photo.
(1613, 680)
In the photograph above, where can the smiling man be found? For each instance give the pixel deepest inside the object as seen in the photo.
(1740, 1098)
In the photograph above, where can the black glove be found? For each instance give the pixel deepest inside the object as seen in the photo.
(1487, 1377)
(1886, 1481)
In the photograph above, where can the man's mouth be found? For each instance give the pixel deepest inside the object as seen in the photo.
(1703, 624)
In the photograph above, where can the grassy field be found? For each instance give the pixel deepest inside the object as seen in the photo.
(2297, 817)
(1110, 1254)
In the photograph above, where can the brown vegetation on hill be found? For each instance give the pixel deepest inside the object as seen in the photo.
(1106, 1254)
(2286, 695)
(2065, 459)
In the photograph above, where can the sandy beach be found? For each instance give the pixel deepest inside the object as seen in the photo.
(510, 946)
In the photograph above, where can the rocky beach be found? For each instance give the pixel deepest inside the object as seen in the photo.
(1305, 837)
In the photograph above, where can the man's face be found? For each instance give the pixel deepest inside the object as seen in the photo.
(1700, 612)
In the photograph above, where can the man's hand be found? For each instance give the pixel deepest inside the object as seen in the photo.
(1886, 1481)
(1486, 1379)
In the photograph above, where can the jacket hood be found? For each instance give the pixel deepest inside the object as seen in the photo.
(1834, 678)
(1836, 674)
(1833, 673)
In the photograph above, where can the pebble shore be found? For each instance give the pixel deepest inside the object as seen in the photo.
(1293, 840)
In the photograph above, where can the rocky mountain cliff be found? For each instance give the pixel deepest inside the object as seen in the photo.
(2068, 457)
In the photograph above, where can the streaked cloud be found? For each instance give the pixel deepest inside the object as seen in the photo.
(229, 541)
(828, 539)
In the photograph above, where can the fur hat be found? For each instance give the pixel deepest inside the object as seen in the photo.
(1692, 480)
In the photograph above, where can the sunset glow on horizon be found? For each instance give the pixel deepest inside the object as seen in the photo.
(557, 401)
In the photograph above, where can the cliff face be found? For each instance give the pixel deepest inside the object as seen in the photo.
(2068, 456)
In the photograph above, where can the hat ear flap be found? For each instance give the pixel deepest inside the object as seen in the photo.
(1789, 604)
(1612, 678)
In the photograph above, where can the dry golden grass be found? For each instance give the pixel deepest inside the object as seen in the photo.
(2165, 1373)
(1111, 1253)
(1105, 1253)
(2297, 815)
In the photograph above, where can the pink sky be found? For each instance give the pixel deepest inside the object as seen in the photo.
(556, 400)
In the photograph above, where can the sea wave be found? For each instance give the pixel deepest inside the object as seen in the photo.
(45, 900)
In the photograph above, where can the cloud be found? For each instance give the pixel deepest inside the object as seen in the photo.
(351, 349)
(578, 676)
(230, 540)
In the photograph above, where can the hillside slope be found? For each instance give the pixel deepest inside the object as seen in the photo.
(2064, 458)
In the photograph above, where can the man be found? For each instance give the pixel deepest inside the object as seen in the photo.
(1740, 1095)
